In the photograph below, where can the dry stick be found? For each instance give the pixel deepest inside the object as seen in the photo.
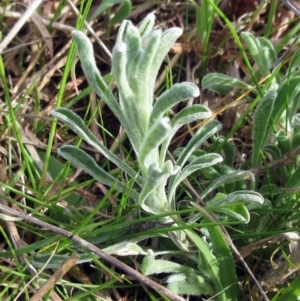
(286, 159)
(108, 258)
(16, 28)
(291, 7)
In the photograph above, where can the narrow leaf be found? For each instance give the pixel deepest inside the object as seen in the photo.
(236, 197)
(156, 177)
(93, 76)
(262, 125)
(197, 164)
(76, 124)
(185, 116)
(205, 132)
(154, 137)
(227, 284)
(237, 211)
(121, 13)
(261, 50)
(140, 76)
(182, 284)
(239, 175)
(81, 159)
(222, 83)
(106, 5)
(288, 95)
(190, 114)
(128, 100)
(168, 38)
(174, 95)
(146, 26)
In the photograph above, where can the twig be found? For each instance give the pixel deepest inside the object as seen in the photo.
(108, 258)
(291, 7)
(286, 159)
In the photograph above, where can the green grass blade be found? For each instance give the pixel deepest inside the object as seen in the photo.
(225, 262)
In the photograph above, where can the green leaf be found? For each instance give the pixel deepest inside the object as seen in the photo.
(294, 182)
(236, 197)
(121, 13)
(142, 74)
(296, 140)
(228, 178)
(262, 51)
(176, 94)
(55, 261)
(273, 150)
(227, 284)
(190, 114)
(151, 266)
(182, 284)
(205, 132)
(93, 76)
(125, 248)
(237, 211)
(146, 26)
(185, 280)
(295, 62)
(168, 38)
(196, 164)
(76, 124)
(208, 264)
(270, 189)
(262, 125)
(154, 137)
(222, 83)
(156, 177)
(130, 35)
(128, 97)
(34, 247)
(288, 96)
(81, 159)
(284, 142)
(185, 116)
(290, 292)
(229, 152)
(205, 16)
(225, 261)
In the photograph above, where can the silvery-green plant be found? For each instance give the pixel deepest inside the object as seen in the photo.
(136, 59)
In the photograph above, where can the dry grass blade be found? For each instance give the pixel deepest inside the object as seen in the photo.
(282, 268)
(17, 15)
(55, 278)
(14, 31)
